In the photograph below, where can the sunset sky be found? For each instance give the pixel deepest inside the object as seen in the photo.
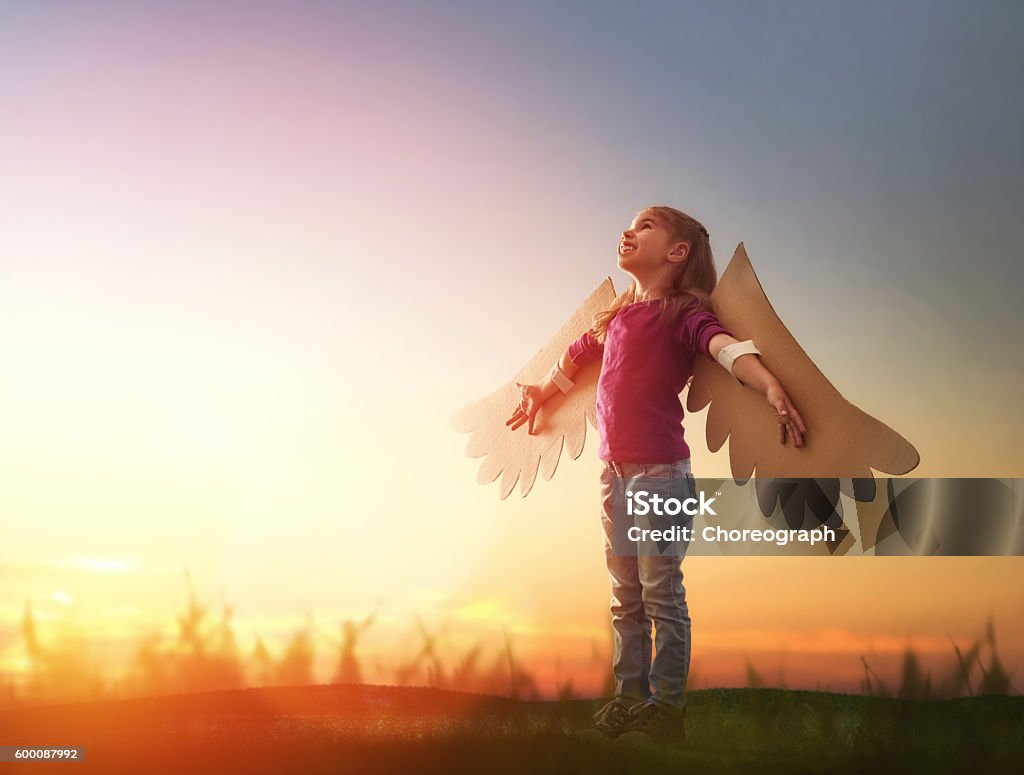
(254, 255)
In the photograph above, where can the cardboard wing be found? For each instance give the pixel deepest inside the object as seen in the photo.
(841, 441)
(561, 422)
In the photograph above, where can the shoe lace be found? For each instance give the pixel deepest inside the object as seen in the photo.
(614, 712)
(653, 717)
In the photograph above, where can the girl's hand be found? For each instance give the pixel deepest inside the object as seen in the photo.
(529, 405)
(789, 418)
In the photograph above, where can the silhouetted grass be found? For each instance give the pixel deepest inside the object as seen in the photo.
(968, 674)
(205, 657)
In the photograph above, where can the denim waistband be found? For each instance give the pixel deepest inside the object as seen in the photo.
(626, 470)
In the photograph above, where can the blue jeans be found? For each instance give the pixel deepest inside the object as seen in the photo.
(647, 590)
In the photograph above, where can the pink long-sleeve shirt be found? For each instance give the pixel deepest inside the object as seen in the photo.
(646, 364)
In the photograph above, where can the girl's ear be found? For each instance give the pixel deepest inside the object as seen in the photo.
(679, 252)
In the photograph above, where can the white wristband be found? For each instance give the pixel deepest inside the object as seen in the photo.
(561, 381)
(728, 354)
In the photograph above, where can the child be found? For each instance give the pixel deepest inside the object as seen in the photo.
(647, 342)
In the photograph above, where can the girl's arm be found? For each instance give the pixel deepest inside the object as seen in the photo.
(547, 385)
(584, 350)
(534, 396)
(750, 370)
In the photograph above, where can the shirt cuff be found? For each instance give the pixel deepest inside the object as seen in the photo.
(707, 334)
(584, 350)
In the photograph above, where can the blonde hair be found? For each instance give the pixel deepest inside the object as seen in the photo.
(691, 285)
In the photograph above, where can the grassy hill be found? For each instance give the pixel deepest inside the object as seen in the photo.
(352, 728)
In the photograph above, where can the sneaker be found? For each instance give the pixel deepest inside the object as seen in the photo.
(609, 721)
(653, 723)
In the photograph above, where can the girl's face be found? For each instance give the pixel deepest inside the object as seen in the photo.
(645, 245)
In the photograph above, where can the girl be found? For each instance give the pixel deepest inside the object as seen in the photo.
(647, 342)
